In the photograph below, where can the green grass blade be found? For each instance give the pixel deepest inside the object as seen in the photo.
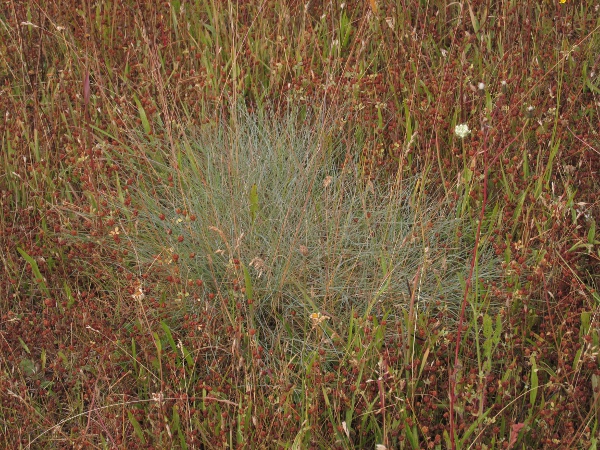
(136, 427)
(39, 279)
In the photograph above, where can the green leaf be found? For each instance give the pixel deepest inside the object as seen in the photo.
(519, 208)
(24, 345)
(143, 116)
(176, 422)
(169, 335)
(39, 279)
(534, 381)
(158, 344)
(577, 358)
(182, 440)
(585, 323)
(345, 29)
(596, 391)
(488, 332)
(136, 427)
(134, 354)
(473, 427)
(487, 326)
(592, 233)
(28, 367)
(64, 358)
(474, 20)
(413, 437)
(188, 356)
(70, 298)
(253, 202)
(497, 330)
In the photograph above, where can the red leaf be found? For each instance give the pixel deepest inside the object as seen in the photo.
(514, 434)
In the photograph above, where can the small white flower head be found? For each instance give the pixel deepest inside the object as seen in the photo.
(529, 111)
(503, 83)
(139, 294)
(462, 130)
(481, 86)
(158, 397)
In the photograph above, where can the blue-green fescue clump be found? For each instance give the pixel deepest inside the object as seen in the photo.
(291, 206)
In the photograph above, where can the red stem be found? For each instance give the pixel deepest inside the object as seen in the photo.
(468, 287)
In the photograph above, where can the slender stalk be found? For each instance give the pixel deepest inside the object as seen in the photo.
(468, 284)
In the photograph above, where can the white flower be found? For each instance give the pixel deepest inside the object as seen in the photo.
(462, 130)
(158, 397)
(481, 86)
(529, 111)
(139, 294)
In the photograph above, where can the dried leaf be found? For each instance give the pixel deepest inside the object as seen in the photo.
(373, 4)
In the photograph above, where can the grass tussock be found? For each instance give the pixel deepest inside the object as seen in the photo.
(276, 215)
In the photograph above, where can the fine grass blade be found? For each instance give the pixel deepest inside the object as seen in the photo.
(143, 116)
